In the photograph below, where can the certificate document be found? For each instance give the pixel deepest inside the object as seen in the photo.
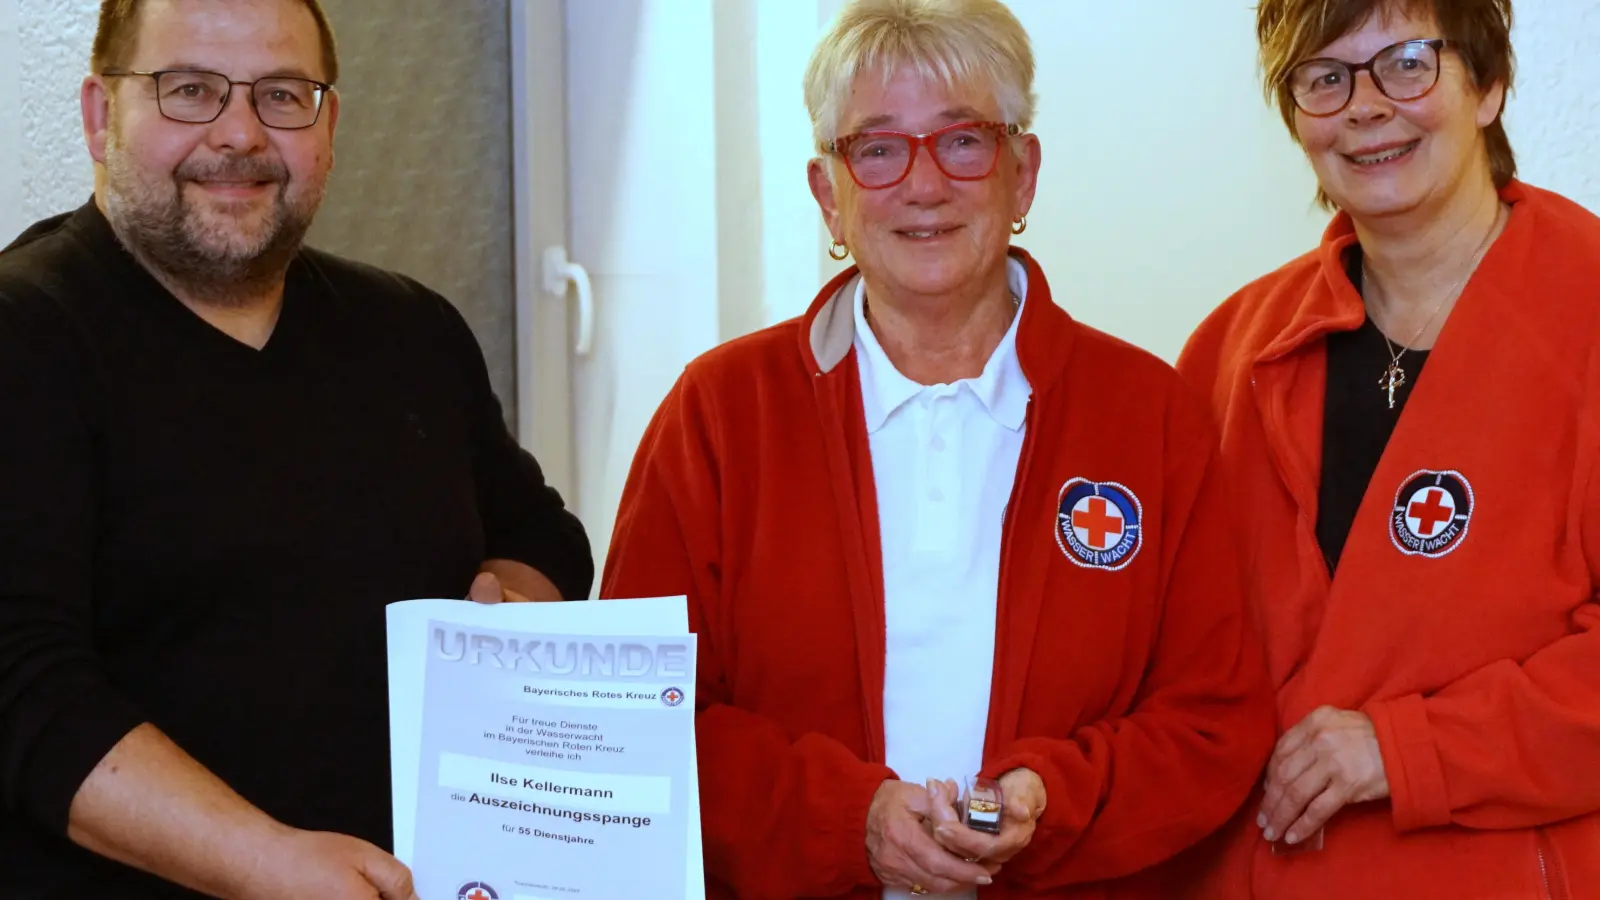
(553, 750)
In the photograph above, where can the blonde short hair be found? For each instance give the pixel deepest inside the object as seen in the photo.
(954, 41)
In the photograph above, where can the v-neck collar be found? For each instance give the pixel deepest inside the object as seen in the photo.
(1289, 375)
(142, 286)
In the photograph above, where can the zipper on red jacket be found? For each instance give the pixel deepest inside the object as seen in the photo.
(1555, 881)
(1029, 441)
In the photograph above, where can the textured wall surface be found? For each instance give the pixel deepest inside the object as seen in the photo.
(11, 140)
(422, 175)
(1554, 115)
(54, 38)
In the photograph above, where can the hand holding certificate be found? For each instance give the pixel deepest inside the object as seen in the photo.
(545, 750)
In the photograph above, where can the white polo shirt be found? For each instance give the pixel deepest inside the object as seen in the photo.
(943, 459)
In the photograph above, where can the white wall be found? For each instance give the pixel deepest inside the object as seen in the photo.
(794, 261)
(643, 138)
(1136, 196)
(11, 142)
(47, 59)
(1159, 198)
(1162, 195)
(689, 141)
(1554, 117)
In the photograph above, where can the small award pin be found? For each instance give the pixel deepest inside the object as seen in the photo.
(982, 806)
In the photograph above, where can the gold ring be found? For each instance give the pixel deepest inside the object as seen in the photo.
(918, 889)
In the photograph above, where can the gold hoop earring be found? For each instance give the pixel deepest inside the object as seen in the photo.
(838, 250)
(1020, 225)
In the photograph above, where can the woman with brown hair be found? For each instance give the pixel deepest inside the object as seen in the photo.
(1409, 412)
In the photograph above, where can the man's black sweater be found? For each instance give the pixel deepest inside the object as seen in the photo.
(203, 536)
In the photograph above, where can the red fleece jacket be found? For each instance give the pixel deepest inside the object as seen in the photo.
(1130, 682)
(1463, 616)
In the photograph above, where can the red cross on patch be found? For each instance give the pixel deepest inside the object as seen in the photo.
(1429, 515)
(1097, 526)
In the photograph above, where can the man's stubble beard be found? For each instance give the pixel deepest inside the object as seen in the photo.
(187, 250)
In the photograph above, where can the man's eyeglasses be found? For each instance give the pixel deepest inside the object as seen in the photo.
(965, 151)
(200, 97)
(1404, 71)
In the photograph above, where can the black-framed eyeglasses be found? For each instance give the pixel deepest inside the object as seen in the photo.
(198, 97)
(1404, 71)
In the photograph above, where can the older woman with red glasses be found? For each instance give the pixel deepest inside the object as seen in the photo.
(935, 530)
(1410, 416)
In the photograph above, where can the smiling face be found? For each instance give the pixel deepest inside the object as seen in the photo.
(226, 202)
(1383, 157)
(930, 234)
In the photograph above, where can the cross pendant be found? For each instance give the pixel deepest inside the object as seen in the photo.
(1392, 380)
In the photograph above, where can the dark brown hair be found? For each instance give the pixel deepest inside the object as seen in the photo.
(118, 31)
(1292, 31)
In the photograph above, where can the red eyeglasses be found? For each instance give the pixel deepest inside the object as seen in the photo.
(965, 151)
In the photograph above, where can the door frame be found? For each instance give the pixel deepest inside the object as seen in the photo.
(539, 179)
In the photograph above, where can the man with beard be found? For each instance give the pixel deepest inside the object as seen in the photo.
(224, 455)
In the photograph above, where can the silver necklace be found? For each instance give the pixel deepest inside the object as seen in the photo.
(1394, 377)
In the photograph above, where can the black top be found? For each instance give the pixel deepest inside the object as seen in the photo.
(204, 536)
(1356, 420)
